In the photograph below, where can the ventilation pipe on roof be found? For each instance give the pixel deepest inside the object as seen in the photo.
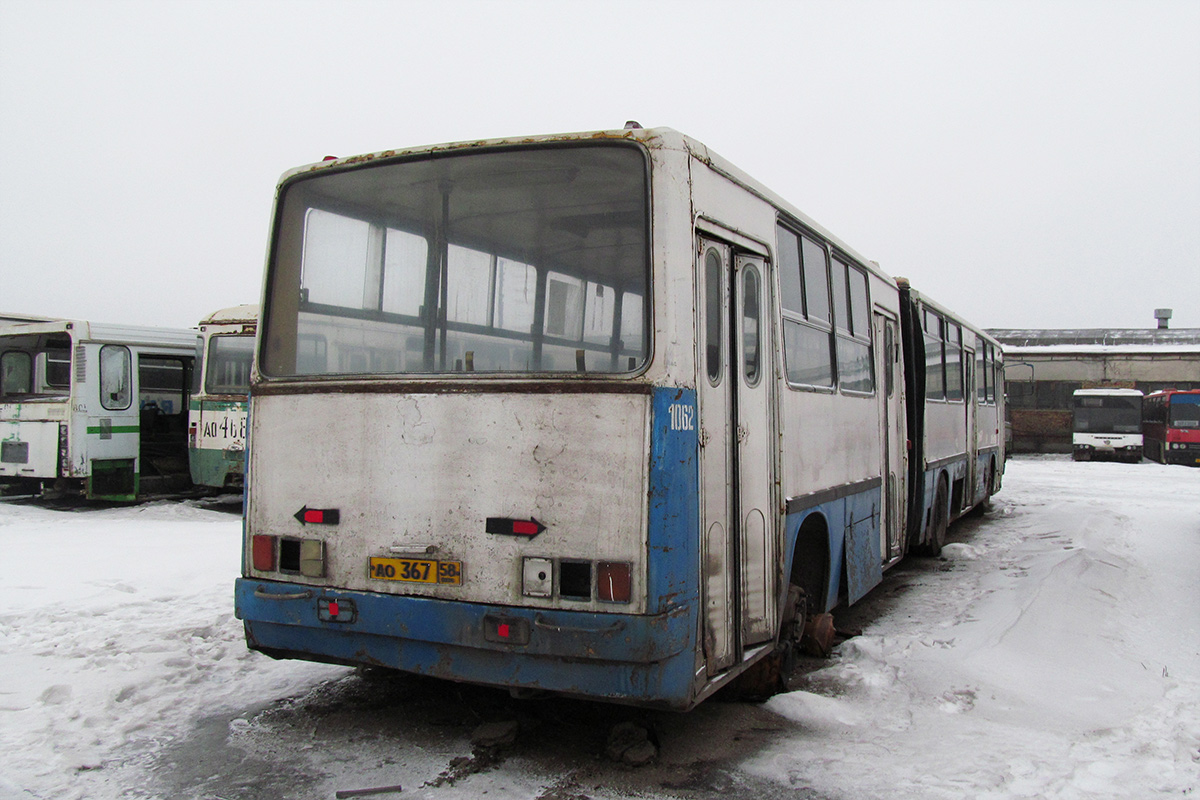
(1163, 315)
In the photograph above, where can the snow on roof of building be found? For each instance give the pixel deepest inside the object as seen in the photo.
(1098, 340)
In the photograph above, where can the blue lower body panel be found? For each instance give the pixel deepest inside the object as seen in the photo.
(642, 659)
(852, 525)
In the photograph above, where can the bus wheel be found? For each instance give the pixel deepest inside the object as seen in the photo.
(769, 675)
(986, 503)
(939, 520)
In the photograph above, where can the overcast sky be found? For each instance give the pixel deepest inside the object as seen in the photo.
(1028, 164)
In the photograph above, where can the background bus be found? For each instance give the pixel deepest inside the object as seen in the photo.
(92, 408)
(217, 415)
(597, 414)
(1107, 424)
(1171, 426)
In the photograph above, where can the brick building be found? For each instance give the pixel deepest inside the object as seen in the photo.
(1043, 367)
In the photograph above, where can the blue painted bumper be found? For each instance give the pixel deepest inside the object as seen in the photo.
(620, 657)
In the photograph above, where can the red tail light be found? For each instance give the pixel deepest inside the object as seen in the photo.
(263, 553)
(613, 582)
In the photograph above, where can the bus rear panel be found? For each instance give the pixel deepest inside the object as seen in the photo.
(458, 466)
(217, 413)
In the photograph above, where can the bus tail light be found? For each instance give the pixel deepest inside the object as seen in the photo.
(263, 553)
(303, 556)
(613, 582)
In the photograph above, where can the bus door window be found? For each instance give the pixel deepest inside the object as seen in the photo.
(751, 315)
(714, 302)
(116, 380)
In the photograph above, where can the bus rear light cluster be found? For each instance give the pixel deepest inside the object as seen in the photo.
(284, 554)
(605, 581)
(613, 582)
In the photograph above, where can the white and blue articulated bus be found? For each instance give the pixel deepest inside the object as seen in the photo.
(955, 418)
(595, 414)
(93, 409)
(217, 415)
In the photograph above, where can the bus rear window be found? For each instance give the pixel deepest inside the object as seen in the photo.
(516, 261)
(227, 367)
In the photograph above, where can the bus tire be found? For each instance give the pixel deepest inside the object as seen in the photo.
(939, 522)
(985, 503)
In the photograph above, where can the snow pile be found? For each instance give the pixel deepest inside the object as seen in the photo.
(1057, 656)
(116, 633)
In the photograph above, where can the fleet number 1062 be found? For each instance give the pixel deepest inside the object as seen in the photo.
(683, 418)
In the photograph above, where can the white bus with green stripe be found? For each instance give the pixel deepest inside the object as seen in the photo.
(217, 419)
(94, 409)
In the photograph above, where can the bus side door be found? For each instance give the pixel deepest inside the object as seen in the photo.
(737, 456)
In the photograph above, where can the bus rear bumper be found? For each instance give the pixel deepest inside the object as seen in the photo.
(639, 659)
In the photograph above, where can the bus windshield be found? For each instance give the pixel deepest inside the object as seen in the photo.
(34, 366)
(531, 260)
(1185, 411)
(1104, 414)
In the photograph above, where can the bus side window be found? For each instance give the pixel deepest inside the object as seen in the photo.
(954, 366)
(58, 368)
(935, 380)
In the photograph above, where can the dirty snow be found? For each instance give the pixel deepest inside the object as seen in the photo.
(1054, 652)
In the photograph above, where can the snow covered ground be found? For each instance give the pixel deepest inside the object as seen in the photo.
(1058, 656)
(1053, 652)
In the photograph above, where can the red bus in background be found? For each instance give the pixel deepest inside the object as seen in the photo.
(1171, 427)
